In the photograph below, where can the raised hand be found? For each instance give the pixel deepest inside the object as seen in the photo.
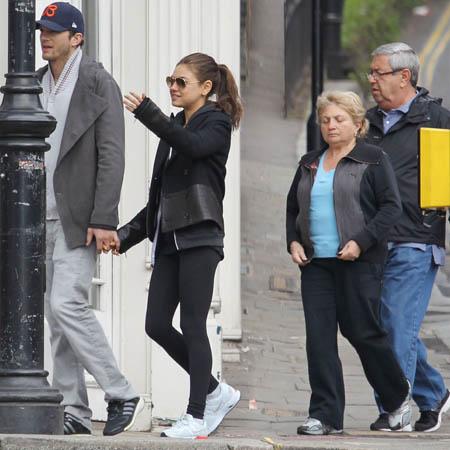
(132, 101)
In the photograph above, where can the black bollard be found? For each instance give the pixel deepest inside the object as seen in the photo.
(27, 402)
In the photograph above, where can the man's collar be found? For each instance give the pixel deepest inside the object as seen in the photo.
(404, 108)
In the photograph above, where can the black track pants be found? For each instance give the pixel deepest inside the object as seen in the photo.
(346, 294)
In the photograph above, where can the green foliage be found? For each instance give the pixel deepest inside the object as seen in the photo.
(368, 24)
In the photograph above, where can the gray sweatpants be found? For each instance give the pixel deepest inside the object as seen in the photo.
(77, 339)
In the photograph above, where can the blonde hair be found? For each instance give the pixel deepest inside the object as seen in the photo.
(349, 102)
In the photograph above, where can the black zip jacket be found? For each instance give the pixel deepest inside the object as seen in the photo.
(366, 201)
(191, 184)
(401, 143)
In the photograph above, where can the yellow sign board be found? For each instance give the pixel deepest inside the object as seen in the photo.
(434, 168)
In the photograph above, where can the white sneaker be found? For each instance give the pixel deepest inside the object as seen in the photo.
(400, 419)
(219, 404)
(187, 428)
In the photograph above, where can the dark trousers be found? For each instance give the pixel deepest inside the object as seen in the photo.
(347, 294)
(185, 278)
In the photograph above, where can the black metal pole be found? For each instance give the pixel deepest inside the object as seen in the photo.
(27, 403)
(335, 59)
(313, 130)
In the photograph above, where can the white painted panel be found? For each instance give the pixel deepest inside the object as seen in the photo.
(214, 28)
(129, 68)
(228, 36)
(171, 383)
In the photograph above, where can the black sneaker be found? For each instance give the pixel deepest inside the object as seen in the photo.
(431, 420)
(73, 426)
(381, 424)
(121, 415)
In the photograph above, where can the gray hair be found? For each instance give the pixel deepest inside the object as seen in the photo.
(401, 56)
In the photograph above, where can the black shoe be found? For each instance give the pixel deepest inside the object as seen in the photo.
(381, 424)
(431, 420)
(121, 415)
(73, 426)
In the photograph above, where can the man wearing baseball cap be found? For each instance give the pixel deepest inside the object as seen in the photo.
(85, 167)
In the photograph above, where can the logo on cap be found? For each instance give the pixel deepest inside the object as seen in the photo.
(50, 11)
(74, 25)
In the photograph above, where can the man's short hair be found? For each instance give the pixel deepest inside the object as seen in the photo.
(401, 56)
(73, 33)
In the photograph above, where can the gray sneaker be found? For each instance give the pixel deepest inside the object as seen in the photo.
(315, 427)
(400, 419)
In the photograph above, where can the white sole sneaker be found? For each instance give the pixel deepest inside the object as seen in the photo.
(444, 408)
(230, 405)
(405, 428)
(139, 408)
(187, 428)
(192, 438)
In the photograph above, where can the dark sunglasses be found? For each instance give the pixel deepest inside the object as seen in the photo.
(181, 82)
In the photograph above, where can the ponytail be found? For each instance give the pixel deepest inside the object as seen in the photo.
(223, 84)
(227, 95)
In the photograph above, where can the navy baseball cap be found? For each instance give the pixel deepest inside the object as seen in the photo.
(61, 16)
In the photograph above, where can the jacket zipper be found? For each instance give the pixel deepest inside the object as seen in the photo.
(175, 240)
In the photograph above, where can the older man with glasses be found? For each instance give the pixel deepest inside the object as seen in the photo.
(416, 242)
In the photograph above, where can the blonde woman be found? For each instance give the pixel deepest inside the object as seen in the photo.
(341, 204)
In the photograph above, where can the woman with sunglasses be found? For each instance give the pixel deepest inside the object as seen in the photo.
(184, 220)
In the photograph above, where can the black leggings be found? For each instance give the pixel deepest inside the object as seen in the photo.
(185, 277)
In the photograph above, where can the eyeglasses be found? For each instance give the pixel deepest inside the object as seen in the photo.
(180, 81)
(377, 75)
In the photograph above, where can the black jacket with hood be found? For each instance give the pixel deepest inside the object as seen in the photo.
(401, 143)
(189, 186)
(366, 201)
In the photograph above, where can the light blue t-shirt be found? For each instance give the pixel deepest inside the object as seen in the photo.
(322, 218)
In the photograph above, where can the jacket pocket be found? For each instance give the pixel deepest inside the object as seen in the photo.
(190, 206)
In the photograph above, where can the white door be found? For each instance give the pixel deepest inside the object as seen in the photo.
(101, 294)
(100, 300)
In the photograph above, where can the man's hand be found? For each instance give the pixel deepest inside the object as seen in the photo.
(105, 240)
(298, 253)
(349, 252)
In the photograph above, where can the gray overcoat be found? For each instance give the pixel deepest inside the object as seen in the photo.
(89, 171)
